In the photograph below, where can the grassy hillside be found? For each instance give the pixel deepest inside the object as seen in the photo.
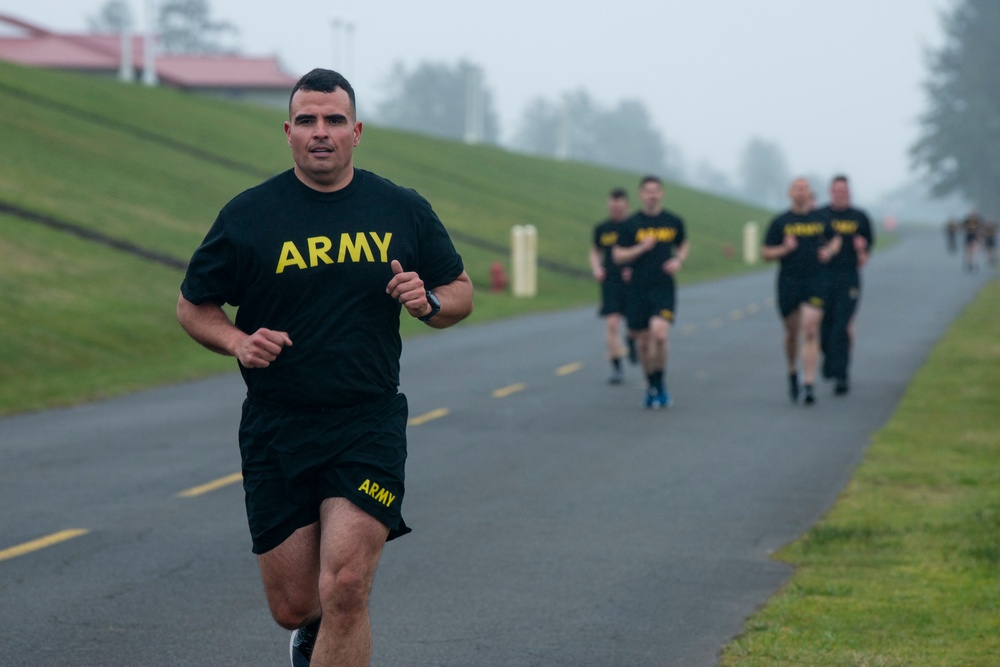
(152, 167)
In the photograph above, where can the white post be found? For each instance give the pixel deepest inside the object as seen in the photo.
(473, 106)
(531, 261)
(524, 260)
(125, 67)
(751, 243)
(149, 46)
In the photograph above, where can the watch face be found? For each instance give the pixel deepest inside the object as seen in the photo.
(435, 306)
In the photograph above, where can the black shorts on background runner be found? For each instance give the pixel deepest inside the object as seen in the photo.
(793, 291)
(613, 296)
(645, 301)
(293, 459)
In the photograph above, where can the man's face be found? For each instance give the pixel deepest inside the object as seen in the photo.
(322, 133)
(800, 193)
(840, 194)
(617, 208)
(651, 194)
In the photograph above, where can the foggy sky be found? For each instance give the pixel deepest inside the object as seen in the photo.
(836, 83)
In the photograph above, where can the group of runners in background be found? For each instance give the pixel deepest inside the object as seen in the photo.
(821, 252)
(978, 233)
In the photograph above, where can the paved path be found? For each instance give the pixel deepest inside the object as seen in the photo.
(556, 522)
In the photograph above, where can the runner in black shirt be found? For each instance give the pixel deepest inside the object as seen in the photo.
(654, 243)
(837, 330)
(803, 241)
(610, 277)
(320, 261)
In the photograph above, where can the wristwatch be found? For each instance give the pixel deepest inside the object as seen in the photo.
(435, 306)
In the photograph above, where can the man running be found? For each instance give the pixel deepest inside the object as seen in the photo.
(320, 261)
(609, 276)
(803, 241)
(654, 243)
(837, 329)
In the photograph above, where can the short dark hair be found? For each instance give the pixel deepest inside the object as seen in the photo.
(650, 179)
(838, 178)
(618, 193)
(324, 81)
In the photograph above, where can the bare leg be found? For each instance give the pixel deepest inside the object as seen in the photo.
(659, 331)
(351, 545)
(613, 335)
(290, 573)
(792, 341)
(811, 318)
(328, 568)
(643, 343)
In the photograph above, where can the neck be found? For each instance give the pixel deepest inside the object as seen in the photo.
(328, 183)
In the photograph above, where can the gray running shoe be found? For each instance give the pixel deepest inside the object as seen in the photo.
(300, 646)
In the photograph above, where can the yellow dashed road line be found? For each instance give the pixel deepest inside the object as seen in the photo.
(569, 368)
(508, 390)
(428, 416)
(211, 486)
(41, 543)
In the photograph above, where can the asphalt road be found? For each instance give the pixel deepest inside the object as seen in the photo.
(555, 521)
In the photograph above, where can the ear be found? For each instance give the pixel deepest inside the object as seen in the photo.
(288, 133)
(357, 133)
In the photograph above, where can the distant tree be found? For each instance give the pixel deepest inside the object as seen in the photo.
(185, 26)
(631, 141)
(433, 99)
(960, 141)
(113, 17)
(708, 177)
(764, 172)
(541, 124)
(577, 128)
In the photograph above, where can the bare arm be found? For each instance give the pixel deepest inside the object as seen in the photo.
(673, 265)
(771, 253)
(595, 264)
(622, 255)
(456, 297)
(208, 324)
(827, 252)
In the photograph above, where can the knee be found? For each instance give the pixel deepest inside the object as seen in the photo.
(291, 613)
(344, 591)
(659, 329)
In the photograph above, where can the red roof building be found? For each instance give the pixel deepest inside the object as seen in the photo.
(258, 79)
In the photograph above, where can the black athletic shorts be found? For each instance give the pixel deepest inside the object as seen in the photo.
(613, 297)
(294, 459)
(647, 301)
(793, 291)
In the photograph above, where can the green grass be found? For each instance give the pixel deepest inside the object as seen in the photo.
(905, 569)
(153, 166)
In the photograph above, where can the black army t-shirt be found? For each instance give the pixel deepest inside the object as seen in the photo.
(605, 238)
(316, 265)
(668, 230)
(812, 230)
(848, 223)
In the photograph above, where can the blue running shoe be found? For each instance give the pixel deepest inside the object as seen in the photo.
(652, 399)
(663, 398)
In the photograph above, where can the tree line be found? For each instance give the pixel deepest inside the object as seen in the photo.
(957, 151)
